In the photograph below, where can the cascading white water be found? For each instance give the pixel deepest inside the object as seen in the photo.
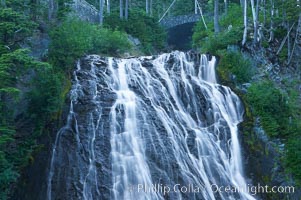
(129, 165)
(170, 123)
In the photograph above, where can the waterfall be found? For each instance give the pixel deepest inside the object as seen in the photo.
(157, 127)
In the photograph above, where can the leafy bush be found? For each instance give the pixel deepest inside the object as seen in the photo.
(211, 43)
(270, 104)
(200, 33)
(221, 41)
(12, 66)
(14, 26)
(75, 38)
(110, 42)
(7, 175)
(233, 18)
(233, 63)
(293, 156)
(46, 96)
(141, 26)
(231, 33)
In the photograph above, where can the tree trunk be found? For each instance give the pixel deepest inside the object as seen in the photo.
(296, 39)
(101, 6)
(164, 8)
(256, 23)
(3, 3)
(272, 22)
(147, 6)
(253, 12)
(33, 9)
(126, 9)
(288, 41)
(151, 7)
(264, 13)
(285, 38)
(50, 9)
(226, 6)
(121, 9)
(167, 11)
(244, 40)
(216, 24)
(201, 12)
(108, 7)
(195, 7)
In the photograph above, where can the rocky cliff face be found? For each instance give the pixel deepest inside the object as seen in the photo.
(81, 162)
(263, 154)
(150, 121)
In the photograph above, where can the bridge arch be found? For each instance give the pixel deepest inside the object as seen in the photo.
(171, 22)
(180, 30)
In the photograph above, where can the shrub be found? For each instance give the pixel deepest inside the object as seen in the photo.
(221, 41)
(234, 17)
(111, 42)
(14, 26)
(233, 63)
(8, 175)
(139, 25)
(231, 32)
(13, 155)
(45, 98)
(293, 156)
(270, 104)
(75, 38)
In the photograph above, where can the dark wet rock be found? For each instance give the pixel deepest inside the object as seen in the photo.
(89, 127)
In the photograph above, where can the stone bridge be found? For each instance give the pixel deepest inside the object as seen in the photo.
(171, 22)
(88, 12)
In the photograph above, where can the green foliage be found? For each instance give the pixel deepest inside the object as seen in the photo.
(280, 32)
(234, 63)
(271, 105)
(280, 117)
(293, 156)
(234, 17)
(141, 26)
(182, 8)
(283, 55)
(45, 98)
(292, 11)
(14, 26)
(75, 38)
(63, 8)
(111, 42)
(7, 175)
(12, 66)
(221, 41)
(293, 145)
(231, 33)
(201, 34)
(70, 40)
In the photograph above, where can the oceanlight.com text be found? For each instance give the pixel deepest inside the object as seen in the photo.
(215, 188)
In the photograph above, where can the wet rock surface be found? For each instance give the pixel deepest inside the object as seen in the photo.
(183, 132)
